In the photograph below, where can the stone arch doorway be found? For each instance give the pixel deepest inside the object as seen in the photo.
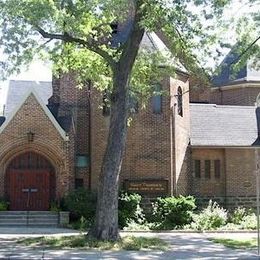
(30, 182)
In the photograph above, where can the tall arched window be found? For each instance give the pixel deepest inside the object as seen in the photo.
(180, 101)
(157, 99)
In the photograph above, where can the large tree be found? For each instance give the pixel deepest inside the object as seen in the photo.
(80, 35)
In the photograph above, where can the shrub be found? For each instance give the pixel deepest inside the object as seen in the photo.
(173, 212)
(249, 222)
(3, 204)
(238, 215)
(129, 209)
(212, 217)
(81, 203)
(54, 206)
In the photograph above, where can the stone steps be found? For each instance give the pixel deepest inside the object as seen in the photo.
(29, 218)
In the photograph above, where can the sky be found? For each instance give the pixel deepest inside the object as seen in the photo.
(38, 71)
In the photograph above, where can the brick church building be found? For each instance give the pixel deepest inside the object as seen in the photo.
(189, 141)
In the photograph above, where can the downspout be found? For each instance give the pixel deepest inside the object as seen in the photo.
(175, 138)
(221, 96)
(89, 133)
(225, 174)
(172, 181)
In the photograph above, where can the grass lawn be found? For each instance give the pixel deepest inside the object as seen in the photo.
(236, 243)
(81, 241)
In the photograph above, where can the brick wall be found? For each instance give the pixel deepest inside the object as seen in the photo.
(148, 150)
(74, 102)
(47, 142)
(208, 186)
(236, 185)
(181, 135)
(237, 95)
(200, 94)
(243, 95)
(240, 168)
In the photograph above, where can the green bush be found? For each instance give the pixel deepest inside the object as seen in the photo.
(3, 204)
(129, 209)
(173, 212)
(238, 215)
(212, 217)
(80, 203)
(249, 221)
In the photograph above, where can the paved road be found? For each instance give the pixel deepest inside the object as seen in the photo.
(183, 246)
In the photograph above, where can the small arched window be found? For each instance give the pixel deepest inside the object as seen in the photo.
(180, 101)
(157, 99)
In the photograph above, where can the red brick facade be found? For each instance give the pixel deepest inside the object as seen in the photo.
(236, 184)
(47, 141)
(158, 144)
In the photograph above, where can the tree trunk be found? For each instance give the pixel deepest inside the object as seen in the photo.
(106, 221)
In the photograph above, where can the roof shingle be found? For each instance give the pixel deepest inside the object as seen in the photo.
(215, 125)
(18, 88)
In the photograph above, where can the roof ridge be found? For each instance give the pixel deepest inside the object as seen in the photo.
(22, 80)
(222, 106)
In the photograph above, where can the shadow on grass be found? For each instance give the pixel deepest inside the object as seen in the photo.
(83, 242)
(235, 243)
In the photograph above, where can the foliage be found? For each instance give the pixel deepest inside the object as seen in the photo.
(133, 226)
(173, 212)
(242, 218)
(212, 217)
(81, 203)
(238, 215)
(3, 204)
(54, 207)
(189, 26)
(81, 241)
(77, 36)
(129, 209)
(249, 222)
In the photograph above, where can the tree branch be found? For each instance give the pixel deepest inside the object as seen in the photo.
(92, 46)
(246, 50)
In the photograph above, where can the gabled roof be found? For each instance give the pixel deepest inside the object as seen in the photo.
(33, 92)
(150, 41)
(215, 125)
(227, 75)
(18, 88)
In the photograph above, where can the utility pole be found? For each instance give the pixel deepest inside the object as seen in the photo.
(257, 170)
(257, 200)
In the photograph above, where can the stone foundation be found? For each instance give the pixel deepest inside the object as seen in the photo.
(228, 202)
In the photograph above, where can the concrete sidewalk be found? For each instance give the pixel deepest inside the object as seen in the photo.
(182, 246)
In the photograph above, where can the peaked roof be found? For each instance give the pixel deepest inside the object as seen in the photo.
(33, 92)
(150, 41)
(227, 75)
(18, 88)
(215, 125)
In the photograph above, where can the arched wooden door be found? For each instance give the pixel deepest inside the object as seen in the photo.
(30, 182)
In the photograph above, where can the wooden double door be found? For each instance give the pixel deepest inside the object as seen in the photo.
(29, 190)
(30, 183)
